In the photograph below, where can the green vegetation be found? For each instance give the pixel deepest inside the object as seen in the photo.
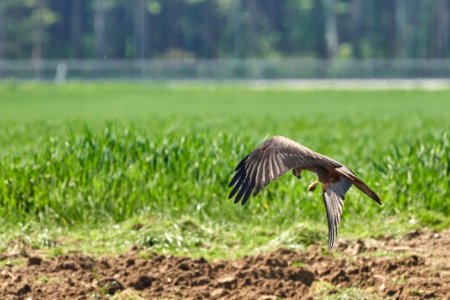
(109, 166)
(326, 291)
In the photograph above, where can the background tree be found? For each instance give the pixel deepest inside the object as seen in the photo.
(2, 30)
(331, 33)
(100, 28)
(442, 36)
(124, 29)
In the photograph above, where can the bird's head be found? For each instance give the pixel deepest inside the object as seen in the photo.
(297, 173)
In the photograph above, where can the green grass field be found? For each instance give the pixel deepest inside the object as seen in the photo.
(91, 163)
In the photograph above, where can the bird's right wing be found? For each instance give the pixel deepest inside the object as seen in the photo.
(333, 197)
(269, 161)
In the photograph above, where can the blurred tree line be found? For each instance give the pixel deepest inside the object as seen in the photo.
(54, 29)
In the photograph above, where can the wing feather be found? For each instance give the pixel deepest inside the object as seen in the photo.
(275, 167)
(241, 163)
(333, 198)
(258, 179)
(236, 177)
(249, 188)
(269, 169)
(247, 183)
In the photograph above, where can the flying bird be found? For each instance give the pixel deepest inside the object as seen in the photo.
(278, 155)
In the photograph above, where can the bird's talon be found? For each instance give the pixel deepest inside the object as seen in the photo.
(313, 186)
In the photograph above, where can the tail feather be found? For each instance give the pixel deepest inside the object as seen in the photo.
(359, 183)
(365, 189)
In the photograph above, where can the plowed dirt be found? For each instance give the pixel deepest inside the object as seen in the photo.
(416, 266)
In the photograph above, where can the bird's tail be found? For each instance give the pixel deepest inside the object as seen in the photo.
(359, 183)
(366, 190)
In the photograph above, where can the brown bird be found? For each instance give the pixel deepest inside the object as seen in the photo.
(279, 155)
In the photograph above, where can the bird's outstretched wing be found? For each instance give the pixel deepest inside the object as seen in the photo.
(333, 197)
(269, 161)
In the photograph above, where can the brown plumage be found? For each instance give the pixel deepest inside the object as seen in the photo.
(278, 155)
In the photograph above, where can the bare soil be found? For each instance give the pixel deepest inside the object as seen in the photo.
(416, 266)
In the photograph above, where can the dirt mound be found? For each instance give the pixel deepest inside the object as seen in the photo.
(415, 267)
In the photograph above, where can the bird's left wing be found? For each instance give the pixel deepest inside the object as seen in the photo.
(270, 160)
(333, 197)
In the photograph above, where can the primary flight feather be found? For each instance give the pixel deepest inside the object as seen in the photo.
(278, 155)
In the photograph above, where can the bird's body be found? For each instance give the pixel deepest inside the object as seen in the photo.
(278, 155)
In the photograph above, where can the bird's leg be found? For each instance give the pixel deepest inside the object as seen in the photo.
(313, 186)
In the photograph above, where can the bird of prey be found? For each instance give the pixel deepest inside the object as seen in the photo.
(278, 155)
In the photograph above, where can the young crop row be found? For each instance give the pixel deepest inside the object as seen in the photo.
(116, 171)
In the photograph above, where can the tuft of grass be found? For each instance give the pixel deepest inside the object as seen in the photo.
(13, 262)
(127, 294)
(326, 291)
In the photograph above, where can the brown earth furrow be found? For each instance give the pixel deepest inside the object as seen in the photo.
(417, 267)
